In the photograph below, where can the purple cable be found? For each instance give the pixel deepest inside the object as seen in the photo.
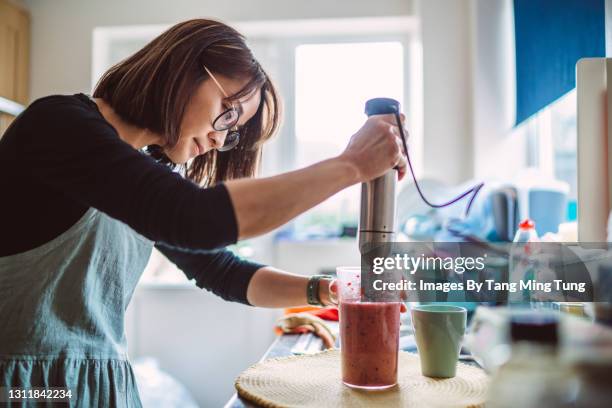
(474, 190)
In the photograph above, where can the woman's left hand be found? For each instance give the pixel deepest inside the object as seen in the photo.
(328, 292)
(329, 295)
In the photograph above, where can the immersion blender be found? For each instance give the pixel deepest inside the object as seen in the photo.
(377, 216)
(377, 213)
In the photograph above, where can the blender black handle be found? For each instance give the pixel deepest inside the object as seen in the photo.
(381, 106)
(384, 106)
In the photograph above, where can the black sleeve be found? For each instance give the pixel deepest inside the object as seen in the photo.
(71, 148)
(220, 272)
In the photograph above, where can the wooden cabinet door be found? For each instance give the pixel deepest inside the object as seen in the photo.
(5, 121)
(14, 52)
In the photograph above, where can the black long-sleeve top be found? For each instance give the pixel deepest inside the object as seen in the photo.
(60, 157)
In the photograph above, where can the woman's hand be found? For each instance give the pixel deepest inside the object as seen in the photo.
(376, 148)
(328, 293)
(260, 205)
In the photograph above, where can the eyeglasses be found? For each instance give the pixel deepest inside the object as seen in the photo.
(227, 120)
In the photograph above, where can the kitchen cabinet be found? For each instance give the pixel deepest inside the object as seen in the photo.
(14, 51)
(14, 57)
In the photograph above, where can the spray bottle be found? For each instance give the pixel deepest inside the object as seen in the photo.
(520, 265)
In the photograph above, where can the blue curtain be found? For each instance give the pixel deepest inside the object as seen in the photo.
(551, 36)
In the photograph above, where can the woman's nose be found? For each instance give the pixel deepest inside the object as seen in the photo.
(217, 138)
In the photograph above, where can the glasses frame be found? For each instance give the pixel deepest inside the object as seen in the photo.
(233, 135)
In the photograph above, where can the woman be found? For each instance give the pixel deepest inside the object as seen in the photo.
(84, 204)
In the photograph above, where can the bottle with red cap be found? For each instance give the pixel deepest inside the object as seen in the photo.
(520, 265)
(526, 232)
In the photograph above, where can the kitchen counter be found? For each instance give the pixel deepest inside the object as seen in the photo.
(281, 347)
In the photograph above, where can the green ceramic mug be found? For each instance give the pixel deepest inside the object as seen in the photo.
(438, 330)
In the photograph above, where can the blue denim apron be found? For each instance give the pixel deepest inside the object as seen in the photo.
(62, 308)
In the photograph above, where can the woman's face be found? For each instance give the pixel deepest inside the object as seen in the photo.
(197, 133)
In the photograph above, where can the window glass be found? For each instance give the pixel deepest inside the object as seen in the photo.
(564, 139)
(332, 84)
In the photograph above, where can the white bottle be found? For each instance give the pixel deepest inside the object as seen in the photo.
(520, 265)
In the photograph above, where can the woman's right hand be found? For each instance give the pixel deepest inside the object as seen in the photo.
(376, 148)
(263, 204)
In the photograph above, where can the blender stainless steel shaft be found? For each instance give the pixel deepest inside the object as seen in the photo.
(377, 216)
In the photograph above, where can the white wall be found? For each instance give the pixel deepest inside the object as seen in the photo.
(469, 80)
(499, 150)
(447, 89)
(61, 29)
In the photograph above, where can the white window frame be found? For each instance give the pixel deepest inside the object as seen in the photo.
(540, 147)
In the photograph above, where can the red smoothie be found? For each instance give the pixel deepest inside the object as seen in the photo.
(369, 334)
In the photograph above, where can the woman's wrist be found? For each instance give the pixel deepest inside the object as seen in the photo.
(349, 168)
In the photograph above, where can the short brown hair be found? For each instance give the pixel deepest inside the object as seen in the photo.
(151, 90)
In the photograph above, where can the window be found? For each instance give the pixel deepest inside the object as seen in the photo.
(332, 84)
(564, 140)
(553, 142)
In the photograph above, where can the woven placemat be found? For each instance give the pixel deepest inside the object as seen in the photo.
(315, 381)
